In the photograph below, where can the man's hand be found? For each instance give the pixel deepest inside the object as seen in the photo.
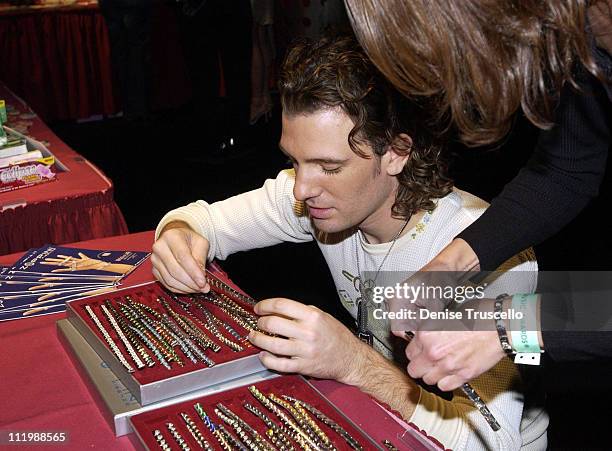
(179, 259)
(451, 358)
(309, 341)
(316, 344)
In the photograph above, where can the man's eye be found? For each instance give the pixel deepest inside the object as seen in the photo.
(334, 170)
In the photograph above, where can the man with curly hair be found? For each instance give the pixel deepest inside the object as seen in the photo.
(369, 185)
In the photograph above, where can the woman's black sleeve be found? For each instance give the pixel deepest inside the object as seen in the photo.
(562, 176)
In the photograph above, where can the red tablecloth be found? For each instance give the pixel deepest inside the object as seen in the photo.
(42, 391)
(77, 206)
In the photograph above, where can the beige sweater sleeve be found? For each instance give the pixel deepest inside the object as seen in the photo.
(263, 217)
(458, 425)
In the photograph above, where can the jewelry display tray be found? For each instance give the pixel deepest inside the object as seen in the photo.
(145, 423)
(115, 402)
(154, 384)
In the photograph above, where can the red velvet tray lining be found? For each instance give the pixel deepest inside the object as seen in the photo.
(147, 295)
(234, 399)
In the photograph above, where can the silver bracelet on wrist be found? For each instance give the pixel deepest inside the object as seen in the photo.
(500, 325)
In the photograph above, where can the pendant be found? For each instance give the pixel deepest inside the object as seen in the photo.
(362, 320)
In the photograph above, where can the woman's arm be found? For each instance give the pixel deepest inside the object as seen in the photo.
(560, 179)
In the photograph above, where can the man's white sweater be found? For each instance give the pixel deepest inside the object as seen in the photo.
(271, 215)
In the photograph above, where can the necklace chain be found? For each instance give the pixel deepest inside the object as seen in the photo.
(395, 238)
(362, 311)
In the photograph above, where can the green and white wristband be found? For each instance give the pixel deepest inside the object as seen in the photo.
(525, 337)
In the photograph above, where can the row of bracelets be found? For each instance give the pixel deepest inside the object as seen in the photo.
(290, 424)
(171, 332)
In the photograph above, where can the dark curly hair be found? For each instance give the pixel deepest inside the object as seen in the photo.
(336, 73)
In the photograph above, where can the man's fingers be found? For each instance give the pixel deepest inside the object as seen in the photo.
(177, 271)
(284, 307)
(281, 326)
(188, 250)
(163, 257)
(161, 280)
(275, 345)
(170, 282)
(281, 364)
(199, 251)
(188, 264)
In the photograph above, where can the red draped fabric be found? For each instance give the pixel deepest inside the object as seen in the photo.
(58, 60)
(61, 221)
(79, 205)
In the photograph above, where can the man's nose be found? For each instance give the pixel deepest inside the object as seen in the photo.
(305, 187)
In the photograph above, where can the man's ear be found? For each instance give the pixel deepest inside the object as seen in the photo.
(398, 154)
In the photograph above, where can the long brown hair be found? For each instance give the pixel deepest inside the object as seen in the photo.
(476, 62)
(336, 73)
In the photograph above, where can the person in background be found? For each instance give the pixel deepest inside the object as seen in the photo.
(263, 59)
(129, 30)
(217, 45)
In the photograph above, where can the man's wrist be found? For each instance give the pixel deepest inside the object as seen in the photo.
(175, 225)
(355, 368)
(380, 378)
